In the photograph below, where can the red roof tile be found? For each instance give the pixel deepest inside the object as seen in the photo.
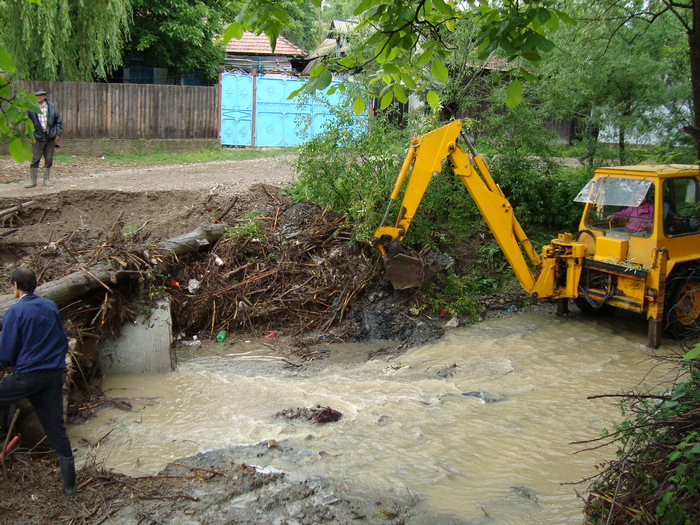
(252, 44)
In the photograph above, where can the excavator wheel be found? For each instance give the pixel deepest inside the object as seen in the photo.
(682, 304)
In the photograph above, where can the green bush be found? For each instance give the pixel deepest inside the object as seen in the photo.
(351, 167)
(541, 191)
(657, 470)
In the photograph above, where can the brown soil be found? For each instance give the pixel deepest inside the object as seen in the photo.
(92, 209)
(89, 197)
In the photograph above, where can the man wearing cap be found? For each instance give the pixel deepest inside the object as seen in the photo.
(47, 131)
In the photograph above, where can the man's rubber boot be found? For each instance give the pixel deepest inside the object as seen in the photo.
(33, 174)
(47, 172)
(67, 465)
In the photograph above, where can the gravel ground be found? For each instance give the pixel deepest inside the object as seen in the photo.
(223, 177)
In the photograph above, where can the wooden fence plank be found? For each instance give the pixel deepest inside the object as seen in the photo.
(132, 111)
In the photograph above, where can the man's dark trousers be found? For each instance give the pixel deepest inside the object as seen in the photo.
(44, 390)
(43, 149)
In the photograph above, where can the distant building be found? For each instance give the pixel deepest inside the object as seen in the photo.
(335, 43)
(254, 52)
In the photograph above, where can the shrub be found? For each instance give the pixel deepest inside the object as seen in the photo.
(351, 167)
(541, 191)
(656, 476)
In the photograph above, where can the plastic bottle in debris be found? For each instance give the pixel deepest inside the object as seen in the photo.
(221, 336)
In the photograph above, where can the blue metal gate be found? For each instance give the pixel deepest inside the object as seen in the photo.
(256, 111)
(236, 109)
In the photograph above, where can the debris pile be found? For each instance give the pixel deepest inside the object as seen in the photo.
(294, 268)
(315, 415)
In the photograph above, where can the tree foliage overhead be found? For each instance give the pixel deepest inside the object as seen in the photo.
(629, 81)
(301, 27)
(178, 34)
(68, 40)
(338, 10)
(686, 14)
(403, 47)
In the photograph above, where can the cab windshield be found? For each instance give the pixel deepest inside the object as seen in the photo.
(620, 206)
(614, 191)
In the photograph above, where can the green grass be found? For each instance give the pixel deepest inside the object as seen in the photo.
(216, 153)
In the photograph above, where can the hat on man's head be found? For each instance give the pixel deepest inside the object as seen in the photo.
(40, 91)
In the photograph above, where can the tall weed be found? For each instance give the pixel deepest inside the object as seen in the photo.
(351, 168)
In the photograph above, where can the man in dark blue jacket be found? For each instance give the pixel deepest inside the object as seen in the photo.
(48, 127)
(34, 343)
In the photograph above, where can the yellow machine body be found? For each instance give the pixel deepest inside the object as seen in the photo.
(604, 263)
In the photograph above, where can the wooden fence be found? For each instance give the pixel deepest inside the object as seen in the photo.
(133, 111)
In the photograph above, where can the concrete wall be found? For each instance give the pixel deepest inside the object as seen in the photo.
(143, 347)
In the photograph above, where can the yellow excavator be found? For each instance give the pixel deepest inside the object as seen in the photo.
(637, 247)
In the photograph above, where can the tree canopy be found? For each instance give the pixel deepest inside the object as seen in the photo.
(178, 34)
(403, 48)
(65, 39)
(630, 81)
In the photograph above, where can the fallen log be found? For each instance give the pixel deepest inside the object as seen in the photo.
(14, 209)
(64, 290)
(193, 241)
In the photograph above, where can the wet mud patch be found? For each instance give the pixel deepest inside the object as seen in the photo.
(234, 485)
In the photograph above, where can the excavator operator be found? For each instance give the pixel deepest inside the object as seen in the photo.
(638, 220)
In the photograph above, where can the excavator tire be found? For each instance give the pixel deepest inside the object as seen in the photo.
(682, 304)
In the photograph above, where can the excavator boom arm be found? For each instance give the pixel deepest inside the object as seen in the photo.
(423, 161)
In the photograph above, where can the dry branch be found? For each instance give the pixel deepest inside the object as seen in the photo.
(298, 272)
(14, 209)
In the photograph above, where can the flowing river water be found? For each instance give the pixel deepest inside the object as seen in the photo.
(501, 454)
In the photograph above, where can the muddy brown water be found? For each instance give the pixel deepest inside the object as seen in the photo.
(502, 454)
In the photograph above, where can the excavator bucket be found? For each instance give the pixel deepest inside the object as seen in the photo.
(406, 271)
(409, 270)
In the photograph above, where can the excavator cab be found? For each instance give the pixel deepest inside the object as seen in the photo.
(619, 206)
(650, 207)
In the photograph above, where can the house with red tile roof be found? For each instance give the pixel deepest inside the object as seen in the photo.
(253, 51)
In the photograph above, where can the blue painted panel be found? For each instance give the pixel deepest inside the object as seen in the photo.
(278, 121)
(236, 109)
(276, 115)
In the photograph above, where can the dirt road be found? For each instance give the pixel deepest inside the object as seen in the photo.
(90, 198)
(224, 177)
